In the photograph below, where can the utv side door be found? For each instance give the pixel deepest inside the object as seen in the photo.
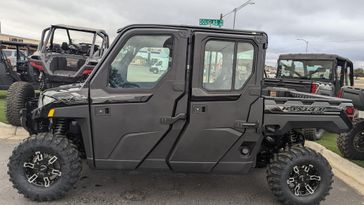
(225, 106)
(133, 108)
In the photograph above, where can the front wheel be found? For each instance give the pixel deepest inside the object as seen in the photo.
(299, 175)
(44, 167)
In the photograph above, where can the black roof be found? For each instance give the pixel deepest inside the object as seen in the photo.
(199, 28)
(313, 56)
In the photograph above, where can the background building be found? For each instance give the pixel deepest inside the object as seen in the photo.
(7, 37)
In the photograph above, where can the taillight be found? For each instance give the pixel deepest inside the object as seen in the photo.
(37, 65)
(87, 71)
(314, 87)
(350, 112)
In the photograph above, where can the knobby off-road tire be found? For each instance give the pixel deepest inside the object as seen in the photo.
(44, 167)
(18, 94)
(313, 134)
(290, 172)
(351, 144)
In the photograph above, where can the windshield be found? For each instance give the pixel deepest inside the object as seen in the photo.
(305, 69)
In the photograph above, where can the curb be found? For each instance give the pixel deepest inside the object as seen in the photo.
(10, 132)
(350, 173)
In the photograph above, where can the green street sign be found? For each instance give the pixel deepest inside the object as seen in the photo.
(211, 22)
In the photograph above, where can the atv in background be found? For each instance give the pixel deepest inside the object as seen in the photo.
(14, 64)
(68, 54)
(65, 55)
(351, 144)
(322, 74)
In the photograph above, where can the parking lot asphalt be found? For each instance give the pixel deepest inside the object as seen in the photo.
(116, 187)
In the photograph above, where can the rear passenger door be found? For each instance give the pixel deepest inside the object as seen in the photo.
(225, 88)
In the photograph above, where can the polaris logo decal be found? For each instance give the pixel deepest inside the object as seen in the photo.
(303, 109)
(299, 109)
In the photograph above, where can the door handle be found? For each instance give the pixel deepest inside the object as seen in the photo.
(172, 120)
(245, 125)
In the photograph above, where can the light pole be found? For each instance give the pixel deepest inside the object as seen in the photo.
(304, 40)
(235, 10)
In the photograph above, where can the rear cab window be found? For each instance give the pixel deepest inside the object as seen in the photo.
(305, 69)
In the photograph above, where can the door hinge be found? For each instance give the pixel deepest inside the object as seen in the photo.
(172, 120)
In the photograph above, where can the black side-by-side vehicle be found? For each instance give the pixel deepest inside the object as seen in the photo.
(206, 113)
(322, 74)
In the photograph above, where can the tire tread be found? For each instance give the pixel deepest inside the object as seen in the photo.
(62, 145)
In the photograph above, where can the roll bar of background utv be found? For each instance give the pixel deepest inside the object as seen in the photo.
(97, 32)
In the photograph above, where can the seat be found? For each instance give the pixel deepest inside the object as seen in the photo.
(65, 46)
(58, 63)
(80, 63)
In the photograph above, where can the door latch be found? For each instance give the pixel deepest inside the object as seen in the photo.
(102, 111)
(245, 125)
(172, 120)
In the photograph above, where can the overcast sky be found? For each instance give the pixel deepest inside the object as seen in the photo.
(331, 26)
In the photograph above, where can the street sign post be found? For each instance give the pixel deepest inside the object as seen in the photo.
(211, 22)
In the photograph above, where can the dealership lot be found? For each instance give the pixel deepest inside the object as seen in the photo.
(116, 187)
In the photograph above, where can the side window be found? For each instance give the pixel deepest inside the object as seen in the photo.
(339, 75)
(244, 64)
(142, 62)
(218, 65)
(347, 76)
(227, 65)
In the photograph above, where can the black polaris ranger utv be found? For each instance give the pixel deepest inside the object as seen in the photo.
(322, 74)
(206, 113)
(65, 55)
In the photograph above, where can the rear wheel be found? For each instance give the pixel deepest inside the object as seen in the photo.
(351, 144)
(313, 134)
(299, 176)
(18, 94)
(44, 167)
